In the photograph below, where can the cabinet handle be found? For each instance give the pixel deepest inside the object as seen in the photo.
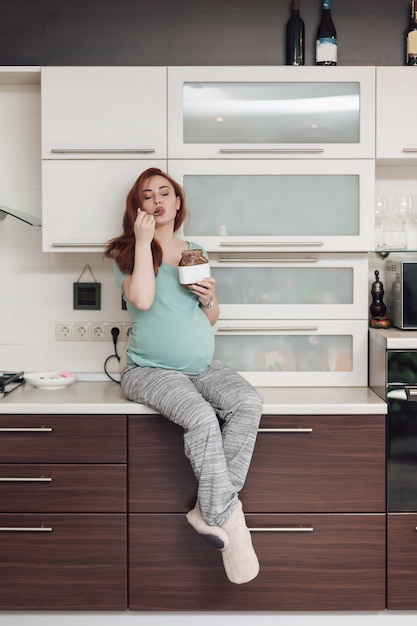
(267, 328)
(271, 150)
(283, 259)
(64, 244)
(102, 151)
(273, 244)
(289, 529)
(285, 430)
(408, 150)
(35, 479)
(42, 429)
(27, 529)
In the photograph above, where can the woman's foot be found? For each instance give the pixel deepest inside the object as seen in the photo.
(239, 558)
(215, 535)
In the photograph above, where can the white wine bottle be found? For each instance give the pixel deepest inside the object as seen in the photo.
(326, 41)
(411, 37)
(295, 36)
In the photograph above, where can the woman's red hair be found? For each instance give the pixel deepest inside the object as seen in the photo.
(122, 248)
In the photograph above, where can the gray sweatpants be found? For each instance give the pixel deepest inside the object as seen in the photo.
(219, 412)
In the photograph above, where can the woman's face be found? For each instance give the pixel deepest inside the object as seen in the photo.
(159, 199)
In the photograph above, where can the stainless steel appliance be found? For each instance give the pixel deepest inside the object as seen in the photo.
(393, 375)
(401, 291)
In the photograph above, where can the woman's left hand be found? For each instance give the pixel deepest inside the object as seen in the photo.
(204, 290)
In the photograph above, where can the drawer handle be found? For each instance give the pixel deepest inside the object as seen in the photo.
(245, 329)
(409, 150)
(35, 479)
(28, 529)
(285, 430)
(289, 529)
(271, 244)
(271, 150)
(102, 151)
(249, 261)
(64, 244)
(42, 429)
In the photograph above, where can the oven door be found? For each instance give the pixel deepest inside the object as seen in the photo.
(402, 448)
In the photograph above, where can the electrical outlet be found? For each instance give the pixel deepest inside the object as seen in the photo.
(127, 330)
(63, 331)
(120, 336)
(81, 332)
(98, 331)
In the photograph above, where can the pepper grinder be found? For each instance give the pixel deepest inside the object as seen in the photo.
(377, 307)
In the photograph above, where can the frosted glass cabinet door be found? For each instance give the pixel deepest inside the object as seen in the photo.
(303, 286)
(278, 112)
(295, 352)
(279, 205)
(104, 112)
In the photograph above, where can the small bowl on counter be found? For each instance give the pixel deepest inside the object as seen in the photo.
(51, 380)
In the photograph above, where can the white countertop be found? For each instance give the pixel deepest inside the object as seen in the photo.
(394, 338)
(107, 398)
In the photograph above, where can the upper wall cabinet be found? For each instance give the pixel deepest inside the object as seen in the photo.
(271, 112)
(395, 114)
(104, 112)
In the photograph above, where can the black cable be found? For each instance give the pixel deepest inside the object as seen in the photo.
(115, 334)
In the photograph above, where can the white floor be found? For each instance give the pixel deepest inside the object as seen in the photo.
(393, 618)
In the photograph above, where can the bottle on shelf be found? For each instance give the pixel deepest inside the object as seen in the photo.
(295, 36)
(326, 40)
(411, 36)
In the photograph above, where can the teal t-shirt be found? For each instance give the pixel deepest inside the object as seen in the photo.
(174, 333)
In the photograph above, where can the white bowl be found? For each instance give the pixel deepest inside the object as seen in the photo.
(51, 380)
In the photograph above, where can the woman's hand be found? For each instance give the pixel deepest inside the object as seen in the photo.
(204, 290)
(144, 227)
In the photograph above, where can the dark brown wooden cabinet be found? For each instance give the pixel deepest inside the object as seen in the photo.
(402, 561)
(315, 503)
(63, 531)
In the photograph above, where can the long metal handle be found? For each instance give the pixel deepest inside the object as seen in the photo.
(408, 150)
(63, 244)
(289, 529)
(27, 529)
(267, 328)
(26, 479)
(102, 151)
(285, 430)
(248, 261)
(42, 429)
(271, 150)
(273, 244)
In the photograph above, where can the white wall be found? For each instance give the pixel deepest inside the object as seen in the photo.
(37, 287)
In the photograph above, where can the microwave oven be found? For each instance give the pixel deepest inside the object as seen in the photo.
(401, 292)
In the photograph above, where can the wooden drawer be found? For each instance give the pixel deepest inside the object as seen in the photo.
(307, 463)
(402, 561)
(308, 563)
(318, 463)
(160, 476)
(62, 439)
(63, 562)
(62, 488)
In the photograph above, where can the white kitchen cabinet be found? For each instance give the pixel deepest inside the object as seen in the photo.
(299, 353)
(396, 90)
(279, 205)
(103, 112)
(83, 201)
(291, 286)
(271, 112)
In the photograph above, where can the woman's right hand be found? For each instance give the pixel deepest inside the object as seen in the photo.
(144, 226)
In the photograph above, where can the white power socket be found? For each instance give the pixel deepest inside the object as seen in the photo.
(91, 331)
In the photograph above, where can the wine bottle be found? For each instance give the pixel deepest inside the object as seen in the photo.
(411, 37)
(295, 36)
(326, 41)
